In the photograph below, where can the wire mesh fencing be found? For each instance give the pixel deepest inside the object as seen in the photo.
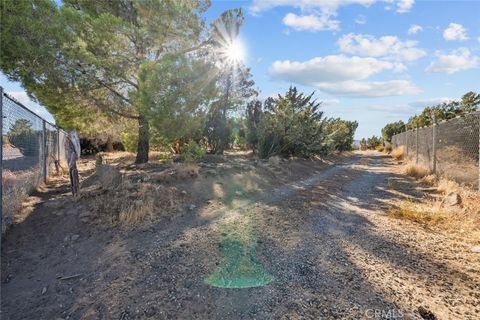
(450, 148)
(31, 151)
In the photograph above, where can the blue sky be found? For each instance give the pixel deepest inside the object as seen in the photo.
(368, 60)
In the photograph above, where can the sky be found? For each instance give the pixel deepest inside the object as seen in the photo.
(373, 61)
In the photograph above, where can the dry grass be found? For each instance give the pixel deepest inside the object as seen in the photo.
(397, 153)
(178, 171)
(463, 218)
(417, 171)
(16, 188)
(420, 212)
(131, 203)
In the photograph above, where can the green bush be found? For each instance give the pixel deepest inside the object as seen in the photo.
(192, 151)
(22, 136)
(129, 136)
(289, 125)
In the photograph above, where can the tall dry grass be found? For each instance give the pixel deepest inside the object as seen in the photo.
(417, 171)
(16, 188)
(432, 210)
(398, 153)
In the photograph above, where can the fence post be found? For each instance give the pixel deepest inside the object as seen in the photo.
(406, 142)
(478, 115)
(1, 165)
(45, 152)
(434, 145)
(416, 145)
(58, 145)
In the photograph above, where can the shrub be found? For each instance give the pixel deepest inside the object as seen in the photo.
(22, 136)
(289, 125)
(192, 151)
(417, 171)
(340, 134)
(398, 153)
(129, 136)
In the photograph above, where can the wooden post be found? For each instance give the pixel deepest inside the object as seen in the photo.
(434, 145)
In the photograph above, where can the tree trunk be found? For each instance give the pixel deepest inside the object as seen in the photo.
(143, 140)
(109, 144)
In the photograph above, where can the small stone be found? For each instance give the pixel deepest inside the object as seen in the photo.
(239, 193)
(67, 238)
(184, 192)
(44, 290)
(275, 160)
(75, 237)
(84, 214)
(475, 249)
(191, 207)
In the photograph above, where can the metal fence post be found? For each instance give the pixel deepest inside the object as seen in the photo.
(58, 144)
(406, 143)
(45, 151)
(434, 145)
(1, 165)
(416, 145)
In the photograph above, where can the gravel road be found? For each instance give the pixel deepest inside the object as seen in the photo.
(326, 240)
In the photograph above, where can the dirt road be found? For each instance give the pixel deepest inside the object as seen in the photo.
(321, 246)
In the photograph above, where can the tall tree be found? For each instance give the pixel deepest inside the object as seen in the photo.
(89, 55)
(234, 78)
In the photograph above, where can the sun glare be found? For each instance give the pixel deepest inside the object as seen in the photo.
(235, 52)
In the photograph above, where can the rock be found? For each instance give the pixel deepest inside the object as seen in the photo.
(67, 238)
(274, 161)
(184, 192)
(108, 176)
(44, 290)
(212, 172)
(84, 214)
(239, 193)
(177, 158)
(426, 314)
(191, 207)
(452, 199)
(138, 203)
(75, 237)
(475, 249)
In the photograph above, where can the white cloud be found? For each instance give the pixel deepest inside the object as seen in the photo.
(317, 14)
(414, 28)
(361, 19)
(361, 89)
(329, 102)
(259, 6)
(404, 5)
(310, 22)
(457, 60)
(332, 68)
(342, 75)
(455, 31)
(386, 46)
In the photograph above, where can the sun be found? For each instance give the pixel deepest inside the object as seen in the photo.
(235, 52)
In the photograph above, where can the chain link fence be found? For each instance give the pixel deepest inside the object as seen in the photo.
(450, 148)
(32, 150)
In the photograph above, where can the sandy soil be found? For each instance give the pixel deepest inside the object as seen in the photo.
(318, 228)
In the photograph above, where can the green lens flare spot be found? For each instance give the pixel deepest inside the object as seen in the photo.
(238, 267)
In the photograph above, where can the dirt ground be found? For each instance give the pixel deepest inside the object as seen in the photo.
(318, 230)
